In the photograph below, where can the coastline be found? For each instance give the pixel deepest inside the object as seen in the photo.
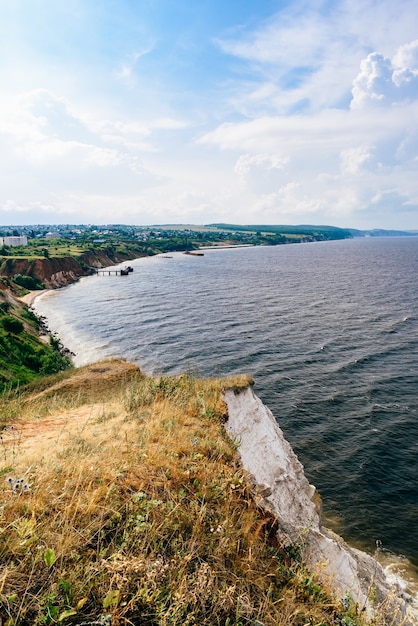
(30, 297)
(45, 333)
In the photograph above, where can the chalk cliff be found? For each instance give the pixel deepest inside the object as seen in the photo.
(284, 490)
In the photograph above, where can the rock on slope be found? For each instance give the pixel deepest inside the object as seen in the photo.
(284, 489)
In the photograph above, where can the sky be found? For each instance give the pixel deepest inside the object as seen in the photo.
(238, 111)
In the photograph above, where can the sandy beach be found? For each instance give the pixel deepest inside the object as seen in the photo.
(30, 297)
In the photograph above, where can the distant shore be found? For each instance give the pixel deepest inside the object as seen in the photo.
(221, 246)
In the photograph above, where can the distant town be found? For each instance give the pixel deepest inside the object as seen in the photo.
(181, 236)
(51, 240)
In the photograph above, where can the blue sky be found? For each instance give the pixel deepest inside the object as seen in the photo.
(172, 111)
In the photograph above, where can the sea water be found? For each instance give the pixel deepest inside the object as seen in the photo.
(329, 332)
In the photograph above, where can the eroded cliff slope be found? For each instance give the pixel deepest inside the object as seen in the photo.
(284, 490)
(61, 271)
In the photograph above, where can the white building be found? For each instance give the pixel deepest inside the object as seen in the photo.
(14, 241)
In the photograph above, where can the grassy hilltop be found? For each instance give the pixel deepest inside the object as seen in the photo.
(123, 502)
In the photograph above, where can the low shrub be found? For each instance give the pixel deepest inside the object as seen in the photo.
(11, 325)
(28, 282)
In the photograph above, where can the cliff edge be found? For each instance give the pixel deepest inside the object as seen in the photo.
(62, 271)
(284, 490)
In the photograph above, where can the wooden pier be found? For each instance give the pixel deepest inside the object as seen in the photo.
(124, 271)
(107, 272)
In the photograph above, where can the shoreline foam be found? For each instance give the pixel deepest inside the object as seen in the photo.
(29, 298)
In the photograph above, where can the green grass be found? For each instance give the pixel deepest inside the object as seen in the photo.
(23, 357)
(35, 250)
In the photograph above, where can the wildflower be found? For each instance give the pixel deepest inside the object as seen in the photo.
(218, 529)
(18, 485)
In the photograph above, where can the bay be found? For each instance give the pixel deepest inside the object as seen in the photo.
(328, 331)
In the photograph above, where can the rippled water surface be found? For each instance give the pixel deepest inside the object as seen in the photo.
(328, 330)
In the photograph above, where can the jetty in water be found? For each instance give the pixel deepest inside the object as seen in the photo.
(123, 271)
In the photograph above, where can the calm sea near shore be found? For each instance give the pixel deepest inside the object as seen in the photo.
(329, 332)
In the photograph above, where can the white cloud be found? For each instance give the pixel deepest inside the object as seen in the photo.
(384, 81)
(353, 160)
(261, 173)
(246, 162)
(374, 81)
(49, 155)
(406, 56)
(128, 66)
(284, 40)
(405, 63)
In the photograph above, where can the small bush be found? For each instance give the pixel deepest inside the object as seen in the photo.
(4, 307)
(31, 317)
(11, 325)
(28, 282)
(53, 363)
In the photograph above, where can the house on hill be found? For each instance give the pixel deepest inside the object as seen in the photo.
(22, 240)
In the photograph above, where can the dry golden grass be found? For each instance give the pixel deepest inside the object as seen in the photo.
(138, 511)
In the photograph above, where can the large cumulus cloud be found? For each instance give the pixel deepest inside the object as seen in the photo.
(383, 81)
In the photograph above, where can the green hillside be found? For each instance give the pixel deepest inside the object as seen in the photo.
(313, 233)
(23, 356)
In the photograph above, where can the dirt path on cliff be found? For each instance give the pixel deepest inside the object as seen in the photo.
(78, 411)
(22, 440)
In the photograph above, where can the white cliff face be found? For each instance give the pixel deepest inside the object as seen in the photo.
(284, 490)
(267, 455)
